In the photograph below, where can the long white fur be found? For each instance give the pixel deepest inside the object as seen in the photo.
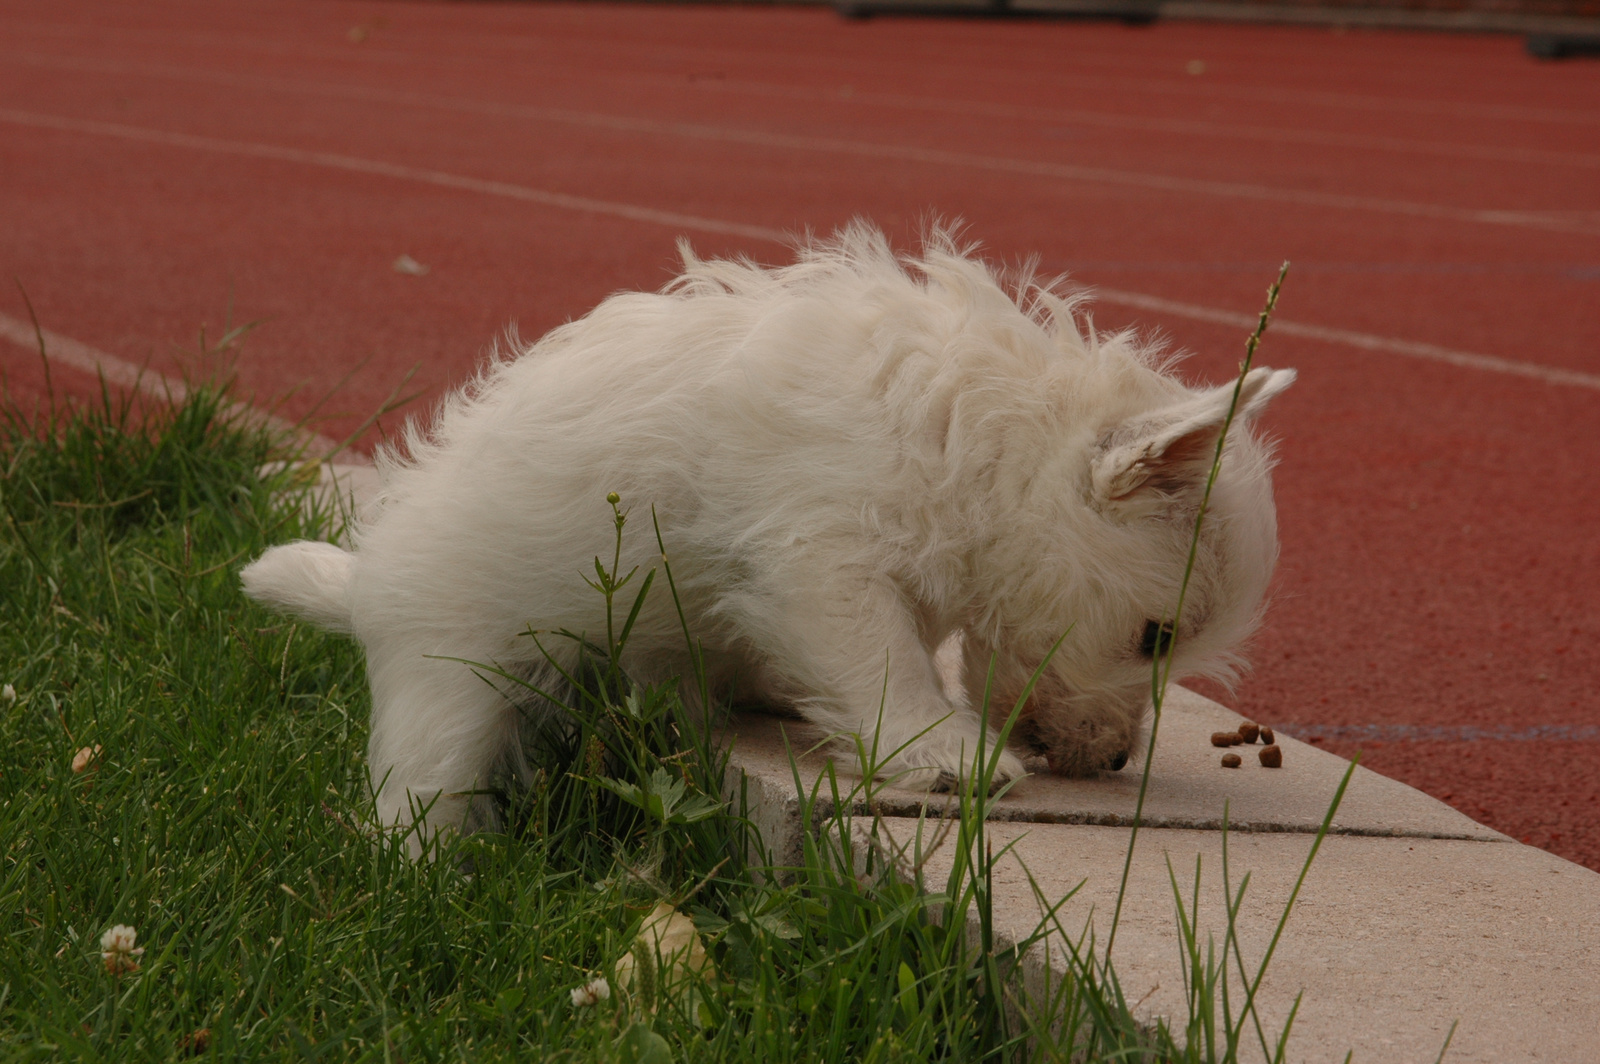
(852, 458)
(308, 579)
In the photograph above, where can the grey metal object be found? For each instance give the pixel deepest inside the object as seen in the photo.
(1132, 12)
(1550, 36)
(1563, 45)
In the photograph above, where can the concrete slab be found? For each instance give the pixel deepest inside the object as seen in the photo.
(350, 488)
(1413, 916)
(1390, 942)
(345, 489)
(1188, 786)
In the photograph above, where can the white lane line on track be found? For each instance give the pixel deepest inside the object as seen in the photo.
(65, 351)
(356, 164)
(697, 223)
(1351, 338)
(1561, 222)
(73, 354)
(515, 48)
(892, 101)
(1443, 733)
(1272, 135)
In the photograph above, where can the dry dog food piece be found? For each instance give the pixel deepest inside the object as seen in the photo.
(1267, 736)
(1225, 738)
(1249, 730)
(1271, 756)
(1231, 761)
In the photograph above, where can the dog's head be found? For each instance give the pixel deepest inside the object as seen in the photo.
(1114, 538)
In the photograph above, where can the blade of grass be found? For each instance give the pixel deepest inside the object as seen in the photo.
(1164, 655)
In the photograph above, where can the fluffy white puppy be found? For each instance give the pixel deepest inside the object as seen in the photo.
(852, 459)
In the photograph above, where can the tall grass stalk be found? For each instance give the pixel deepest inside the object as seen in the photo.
(1161, 666)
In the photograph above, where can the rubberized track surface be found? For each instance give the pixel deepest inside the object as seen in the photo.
(1439, 196)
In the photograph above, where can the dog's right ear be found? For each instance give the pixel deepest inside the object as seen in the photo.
(1162, 458)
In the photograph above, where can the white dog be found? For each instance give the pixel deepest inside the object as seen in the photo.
(852, 459)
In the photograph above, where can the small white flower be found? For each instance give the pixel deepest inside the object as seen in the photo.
(594, 991)
(86, 759)
(8, 694)
(118, 951)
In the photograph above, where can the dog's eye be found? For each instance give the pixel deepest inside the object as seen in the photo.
(1157, 637)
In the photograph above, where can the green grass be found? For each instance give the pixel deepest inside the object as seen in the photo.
(225, 819)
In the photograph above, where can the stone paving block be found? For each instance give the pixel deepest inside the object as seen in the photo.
(1412, 917)
(1390, 942)
(343, 490)
(1188, 785)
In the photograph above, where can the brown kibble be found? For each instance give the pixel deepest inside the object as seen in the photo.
(1267, 736)
(1249, 730)
(1225, 738)
(87, 759)
(196, 1043)
(1231, 761)
(1271, 756)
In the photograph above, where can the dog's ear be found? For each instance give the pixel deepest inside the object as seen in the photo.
(1164, 457)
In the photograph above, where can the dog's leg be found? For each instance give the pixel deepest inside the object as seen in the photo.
(438, 731)
(850, 639)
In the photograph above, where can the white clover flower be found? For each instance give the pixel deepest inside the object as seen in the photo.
(118, 951)
(8, 694)
(596, 990)
(86, 759)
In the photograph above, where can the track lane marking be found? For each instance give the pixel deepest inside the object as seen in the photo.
(1551, 221)
(1186, 127)
(1097, 80)
(1443, 733)
(699, 223)
(74, 354)
(378, 168)
(1351, 338)
(65, 351)
(933, 104)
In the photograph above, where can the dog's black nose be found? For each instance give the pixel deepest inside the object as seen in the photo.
(1120, 759)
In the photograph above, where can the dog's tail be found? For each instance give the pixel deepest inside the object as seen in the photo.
(306, 579)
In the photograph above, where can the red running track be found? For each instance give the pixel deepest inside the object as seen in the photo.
(1439, 196)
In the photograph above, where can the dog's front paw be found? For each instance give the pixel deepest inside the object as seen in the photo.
(1010, 768)
(950, 783)
(922, 778)
(946, 781)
